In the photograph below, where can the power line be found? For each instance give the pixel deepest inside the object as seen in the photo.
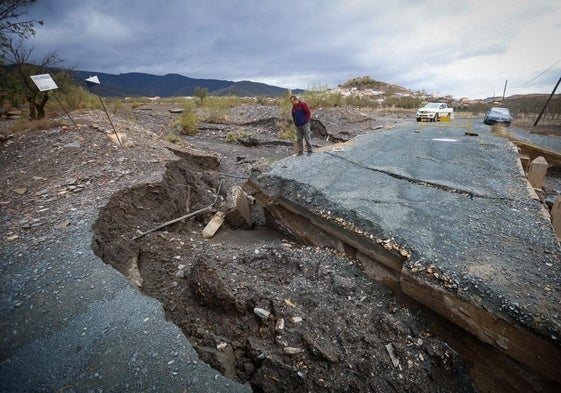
(537, 76)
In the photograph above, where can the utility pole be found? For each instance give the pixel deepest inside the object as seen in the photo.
(504, 91)
(547, 102)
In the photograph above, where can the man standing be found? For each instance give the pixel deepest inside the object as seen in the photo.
(301, 116)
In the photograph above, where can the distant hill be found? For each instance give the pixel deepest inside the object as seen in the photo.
(248, 89)
(173, 85)
(365, 82)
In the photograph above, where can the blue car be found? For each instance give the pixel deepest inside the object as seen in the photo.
(497, 115)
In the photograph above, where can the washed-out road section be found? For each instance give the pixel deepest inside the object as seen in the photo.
(445, 218)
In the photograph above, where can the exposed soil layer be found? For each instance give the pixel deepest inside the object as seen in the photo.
(263, 309)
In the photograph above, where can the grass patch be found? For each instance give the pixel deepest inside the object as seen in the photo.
(215, 109)
(24, 125)
(286, 130)
(234, 137)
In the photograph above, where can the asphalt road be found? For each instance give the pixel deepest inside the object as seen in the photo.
(549, 142)
(457, 202)
(71, 323)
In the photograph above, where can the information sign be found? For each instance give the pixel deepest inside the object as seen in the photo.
(44, 82)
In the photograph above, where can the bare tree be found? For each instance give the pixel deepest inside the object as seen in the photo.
(19, 79)
(11, 25)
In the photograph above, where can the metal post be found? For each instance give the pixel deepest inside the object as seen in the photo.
(67, 114)
(115, 131)
(165, 224)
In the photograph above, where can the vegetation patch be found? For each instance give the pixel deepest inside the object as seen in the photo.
(234, 137)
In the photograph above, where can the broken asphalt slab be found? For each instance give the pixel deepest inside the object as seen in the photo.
(464, 232)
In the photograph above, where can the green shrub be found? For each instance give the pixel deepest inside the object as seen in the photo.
(225, 102)
(136, 102)
(360, 101)
(76, 97)
(318, 96)
(215, 109)
(201, 93)
(188, 122)
(114, 105)
(215, 115)
(263, 100)
(174, 139)
(285, 106)
(286, 128)
(403, 102)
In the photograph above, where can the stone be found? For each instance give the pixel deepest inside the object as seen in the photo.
(261, 313)
(537, 171)
(12, 238)
(133, 272)
(239, 212)
(394, 359)
(73, 145)
(213, 225)
(123, 138)
(292, 350)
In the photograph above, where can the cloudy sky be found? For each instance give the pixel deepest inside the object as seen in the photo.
(463, 48)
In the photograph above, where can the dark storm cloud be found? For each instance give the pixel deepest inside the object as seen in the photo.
(422, 45)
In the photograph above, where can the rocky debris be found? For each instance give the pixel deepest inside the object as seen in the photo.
(289, 315)
(277, 311)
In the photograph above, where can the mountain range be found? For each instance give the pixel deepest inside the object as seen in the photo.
(174, 85)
